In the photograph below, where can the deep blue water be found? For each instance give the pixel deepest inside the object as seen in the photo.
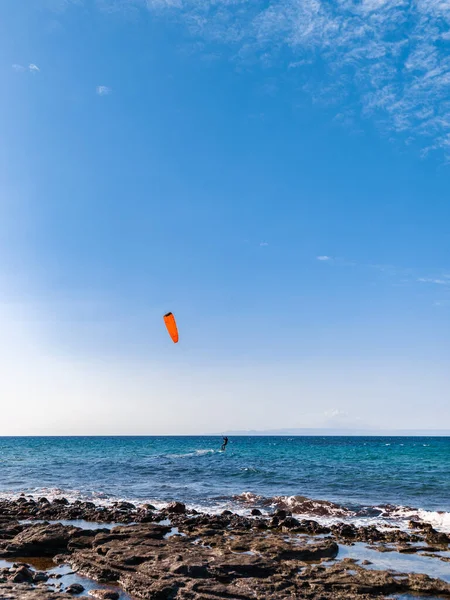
(352, 471)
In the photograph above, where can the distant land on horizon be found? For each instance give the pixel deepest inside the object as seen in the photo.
(343, 432)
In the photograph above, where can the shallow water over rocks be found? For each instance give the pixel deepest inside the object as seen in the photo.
(184, 555)
(61, 577)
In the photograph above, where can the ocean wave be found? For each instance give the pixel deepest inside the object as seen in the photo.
(329, 513)
(302, 507)
(439, 520)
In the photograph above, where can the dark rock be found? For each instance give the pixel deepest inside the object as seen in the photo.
(84, 539)
(256, 512)
(149, 517)
(312, 527)
(344, 530)
(62, 501)
(75, 588)
(438, 538)
(419, 525)
(290, 523)
(40, 540)
(105, 594)
(125, 506)
(177, 508)
(22, 574)
(407, 549)
(10, 530)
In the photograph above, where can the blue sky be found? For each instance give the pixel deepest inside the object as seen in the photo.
(276, 174)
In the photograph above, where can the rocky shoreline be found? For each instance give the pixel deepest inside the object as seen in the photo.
(180, 554)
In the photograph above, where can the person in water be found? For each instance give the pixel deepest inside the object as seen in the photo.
(225, 442)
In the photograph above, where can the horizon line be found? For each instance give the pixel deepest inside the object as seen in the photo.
(307, 432)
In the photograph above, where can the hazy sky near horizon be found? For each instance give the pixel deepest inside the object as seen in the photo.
(275, 173)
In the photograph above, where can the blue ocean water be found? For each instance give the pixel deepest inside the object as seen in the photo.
(358, 473)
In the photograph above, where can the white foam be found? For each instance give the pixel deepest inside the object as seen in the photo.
(398, 516)
(194, 453)
(98, 498)
(439, 520)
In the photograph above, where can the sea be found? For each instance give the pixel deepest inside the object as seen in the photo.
(366, 480)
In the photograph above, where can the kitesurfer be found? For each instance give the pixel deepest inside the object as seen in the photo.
(225, 442)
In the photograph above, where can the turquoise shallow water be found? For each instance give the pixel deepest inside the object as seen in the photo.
(359, 473)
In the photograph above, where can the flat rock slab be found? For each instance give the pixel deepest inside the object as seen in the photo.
(228, 565)
(40, 540)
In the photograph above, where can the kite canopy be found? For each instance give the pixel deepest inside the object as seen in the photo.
(171, 325)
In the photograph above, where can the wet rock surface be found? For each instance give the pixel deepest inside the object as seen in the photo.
(20, 582)
(60, 509)
(205, 557)
(11, 592)
(74, 588)
(40, 540)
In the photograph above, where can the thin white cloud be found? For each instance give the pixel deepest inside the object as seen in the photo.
(263, 244)
(299, 63)
(399, 274)
(335, 412)
(32, 68)
(339, 261)
(103, 90)
(435, 281)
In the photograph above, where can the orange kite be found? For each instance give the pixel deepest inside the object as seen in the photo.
(171, 325)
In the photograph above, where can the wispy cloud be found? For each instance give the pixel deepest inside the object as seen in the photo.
(403, 275)
(335, 412)
(32, 68)
(103, 90)
(384, 60)
(435, 281)
(336, 261)
(263, 244)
